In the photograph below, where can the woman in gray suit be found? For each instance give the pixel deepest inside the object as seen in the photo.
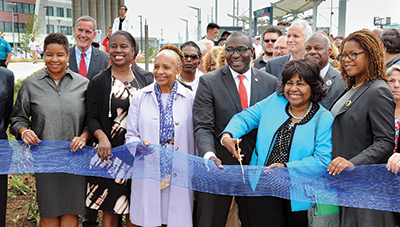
(363, 128)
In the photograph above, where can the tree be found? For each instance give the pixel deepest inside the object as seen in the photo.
(31, 29)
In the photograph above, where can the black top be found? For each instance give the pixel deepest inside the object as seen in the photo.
(281, 149)
(98, 97)
(120, 23)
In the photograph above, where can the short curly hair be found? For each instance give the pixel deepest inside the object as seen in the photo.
(307, 70)
(180, 58)
(57, 38)
(391, 39)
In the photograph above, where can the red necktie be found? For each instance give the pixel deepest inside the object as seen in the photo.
(243, 93)
(82, 66)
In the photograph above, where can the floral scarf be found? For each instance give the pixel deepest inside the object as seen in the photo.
(166, 115)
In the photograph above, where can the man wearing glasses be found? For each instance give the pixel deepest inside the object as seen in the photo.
(269, 37)
(298, 32)
(85, 59)
(190, 74)
(220, 95)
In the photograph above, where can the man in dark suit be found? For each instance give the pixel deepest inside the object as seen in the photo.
(6, 104)
(391, 44)
(298, 32)
(85, 59)
(318, 47)
(217, 100)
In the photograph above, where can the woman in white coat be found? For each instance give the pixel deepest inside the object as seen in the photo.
(161, 113)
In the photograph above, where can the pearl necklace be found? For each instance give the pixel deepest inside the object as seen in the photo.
(300, 118)
(356, 87)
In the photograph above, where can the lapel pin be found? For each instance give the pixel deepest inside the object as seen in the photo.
(328, 82)
(348, 103)
(256, 79)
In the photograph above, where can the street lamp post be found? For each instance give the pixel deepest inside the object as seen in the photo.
(141, 34)
(12, 5)
(187, 31)
(198, 22)
(59, 27)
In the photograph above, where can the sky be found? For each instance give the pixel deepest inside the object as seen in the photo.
(165, 14)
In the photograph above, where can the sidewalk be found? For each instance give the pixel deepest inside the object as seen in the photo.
(22, 70)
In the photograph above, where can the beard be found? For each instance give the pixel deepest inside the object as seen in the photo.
(268, 53)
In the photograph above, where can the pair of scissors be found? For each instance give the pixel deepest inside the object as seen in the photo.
(240, 159)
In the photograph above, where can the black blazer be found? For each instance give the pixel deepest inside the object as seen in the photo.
(363, 130)
(98, 62)
(275, 66)
(216, 101)
(98, 98)
(334, 87)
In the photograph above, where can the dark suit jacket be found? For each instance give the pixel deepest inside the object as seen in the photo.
(6, 99)
(275, 66)
(98, 62)
(334, 87)
(363, 130)
(216, 101)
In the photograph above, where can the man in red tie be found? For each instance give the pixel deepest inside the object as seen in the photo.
(85, 59)
(220, 95)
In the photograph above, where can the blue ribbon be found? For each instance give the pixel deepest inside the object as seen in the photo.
(371, 187)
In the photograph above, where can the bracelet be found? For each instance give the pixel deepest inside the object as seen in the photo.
(22, 134)
(223, 138)
(82, 138)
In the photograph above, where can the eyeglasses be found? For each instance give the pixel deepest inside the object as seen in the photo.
(192, 56)
(268, 40)
(239, 50)
(352, 56)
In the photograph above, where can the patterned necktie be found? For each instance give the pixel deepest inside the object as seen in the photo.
(243, 93)
(82, 66)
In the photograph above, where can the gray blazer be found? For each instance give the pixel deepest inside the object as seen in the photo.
(216, 101)
(98, 62)
(275, 66)
(363, 130)
(334, 87)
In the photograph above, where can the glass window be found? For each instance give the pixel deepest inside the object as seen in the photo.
(60, 12)
(7, 27)
(31, 8)
(69, 13)
(50, 29)
(25, 8)
(49, 11)
(1, 5)
(18, 8)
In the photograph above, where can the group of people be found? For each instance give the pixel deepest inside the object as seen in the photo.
(295, 110)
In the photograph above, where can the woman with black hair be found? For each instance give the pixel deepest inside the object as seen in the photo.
(108, 99)
(293, 131)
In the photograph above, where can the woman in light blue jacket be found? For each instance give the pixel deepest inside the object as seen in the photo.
(293, 130)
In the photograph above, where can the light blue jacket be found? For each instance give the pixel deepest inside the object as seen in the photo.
(268, 116)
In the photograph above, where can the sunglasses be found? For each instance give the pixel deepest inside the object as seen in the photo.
(272, 40)
(192, 56)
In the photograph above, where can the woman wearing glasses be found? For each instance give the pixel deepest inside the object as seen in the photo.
(363, 129)
(189, 75)
(108, 98)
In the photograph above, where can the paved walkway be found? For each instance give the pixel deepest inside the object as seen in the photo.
(24, 69)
